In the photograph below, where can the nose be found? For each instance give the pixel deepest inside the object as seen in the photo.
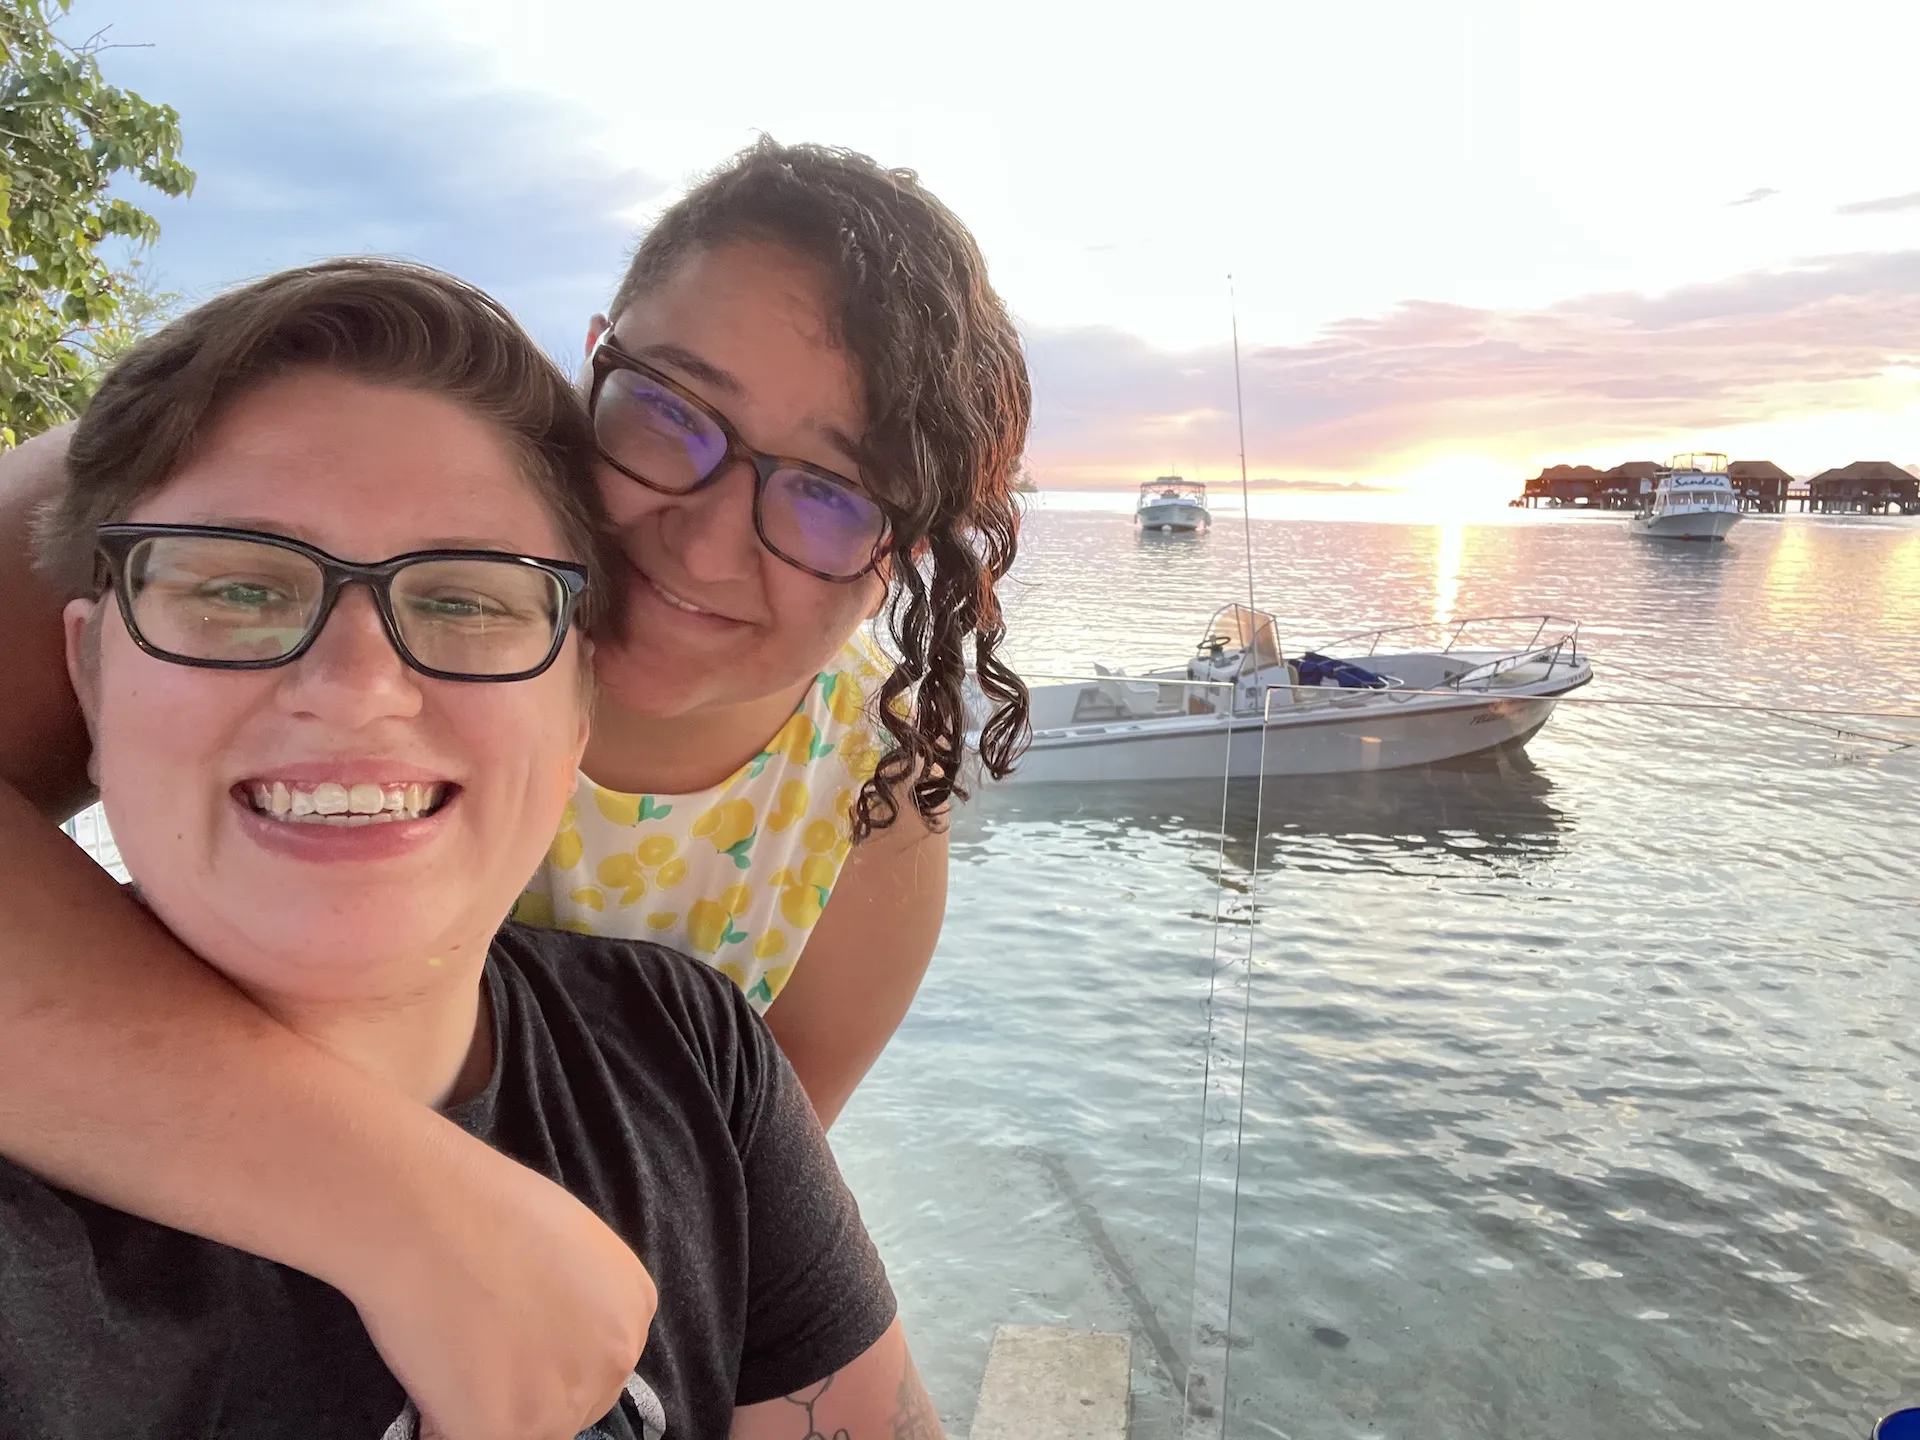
(710, 533)
(352, 676)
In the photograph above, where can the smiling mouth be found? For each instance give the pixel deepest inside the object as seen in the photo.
(686, 607)
(333, 803)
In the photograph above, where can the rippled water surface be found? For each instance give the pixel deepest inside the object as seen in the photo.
(1582, 1092)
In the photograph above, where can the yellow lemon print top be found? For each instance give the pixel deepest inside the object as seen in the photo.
(736, 875)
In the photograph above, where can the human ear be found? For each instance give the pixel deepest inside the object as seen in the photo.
(82, 620)
(588, 690)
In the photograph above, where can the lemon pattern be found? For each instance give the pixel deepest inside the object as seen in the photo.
(737, 875)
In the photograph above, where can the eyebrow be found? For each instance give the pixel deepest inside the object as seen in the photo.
(685, 360)
(299, 532)
(726, 382)
(841, 441)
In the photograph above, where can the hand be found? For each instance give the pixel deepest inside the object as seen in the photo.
(513, 1313)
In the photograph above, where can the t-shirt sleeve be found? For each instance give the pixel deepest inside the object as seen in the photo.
(817, 1294)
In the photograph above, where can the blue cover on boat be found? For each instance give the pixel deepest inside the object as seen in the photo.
(1315, 668)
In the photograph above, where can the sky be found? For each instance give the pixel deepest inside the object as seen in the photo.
(1466, 237)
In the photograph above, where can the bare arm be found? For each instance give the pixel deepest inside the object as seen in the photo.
(134, 1074)
(43, 741)
(864, 961)
(877, 1397)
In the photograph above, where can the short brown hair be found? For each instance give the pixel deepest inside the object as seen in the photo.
(383, 321)
(947, 400)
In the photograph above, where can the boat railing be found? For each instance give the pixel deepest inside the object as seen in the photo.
(1459, 631)
(1549, 655)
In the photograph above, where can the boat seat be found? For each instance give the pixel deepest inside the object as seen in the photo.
(1131, 697)
(1315, 669)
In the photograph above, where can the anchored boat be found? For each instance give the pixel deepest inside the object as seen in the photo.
(1240, 708)
(1173, 504)
(1693, 499)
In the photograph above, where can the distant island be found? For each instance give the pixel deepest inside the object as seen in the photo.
(1321, 487)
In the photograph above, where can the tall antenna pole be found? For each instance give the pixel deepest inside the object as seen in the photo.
(1246, 494)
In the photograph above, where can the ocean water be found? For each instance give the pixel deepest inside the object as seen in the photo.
(1582, 1086)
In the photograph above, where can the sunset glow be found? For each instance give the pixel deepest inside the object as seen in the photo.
(1467, 240)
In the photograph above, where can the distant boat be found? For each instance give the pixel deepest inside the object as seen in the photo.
(1173, 504)
(1693, 499)
(1239, 708)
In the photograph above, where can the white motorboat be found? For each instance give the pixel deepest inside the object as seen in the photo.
(1239, 708)
(1693, 499)
(1172, 504)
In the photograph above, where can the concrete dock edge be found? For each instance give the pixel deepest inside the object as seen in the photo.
(1044, 1382)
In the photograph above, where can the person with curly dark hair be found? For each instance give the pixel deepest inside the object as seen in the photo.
(808, 406)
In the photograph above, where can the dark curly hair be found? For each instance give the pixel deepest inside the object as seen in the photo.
(947, 401)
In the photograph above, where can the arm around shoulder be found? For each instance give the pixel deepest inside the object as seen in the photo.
(43, 740)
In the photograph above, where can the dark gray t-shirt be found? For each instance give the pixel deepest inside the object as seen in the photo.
(635, 1077)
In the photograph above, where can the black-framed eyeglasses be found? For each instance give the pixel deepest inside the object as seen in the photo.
(654, 430)
(230, 599)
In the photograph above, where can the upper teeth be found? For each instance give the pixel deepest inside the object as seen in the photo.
(331, 803)
(675, 601)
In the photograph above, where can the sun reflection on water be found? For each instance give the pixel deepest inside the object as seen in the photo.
(1451, 547)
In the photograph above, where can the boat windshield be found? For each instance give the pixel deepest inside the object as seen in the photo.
(1251, 632)
(1171, 487)
(1701, 462)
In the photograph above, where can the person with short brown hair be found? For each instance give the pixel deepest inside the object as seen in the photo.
(337, 527)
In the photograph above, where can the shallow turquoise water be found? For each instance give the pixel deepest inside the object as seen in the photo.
(1582, 1091)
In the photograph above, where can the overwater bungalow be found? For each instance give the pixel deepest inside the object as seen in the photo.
(1629, 485)
(1866, 487)
(1563, 485)
(1761, 485)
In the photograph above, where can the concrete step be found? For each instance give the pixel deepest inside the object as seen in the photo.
(1044, 1382)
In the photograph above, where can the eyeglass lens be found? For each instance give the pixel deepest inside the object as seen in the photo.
(806, 517)
(232, 600)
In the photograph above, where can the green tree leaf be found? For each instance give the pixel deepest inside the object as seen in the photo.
(66, 312)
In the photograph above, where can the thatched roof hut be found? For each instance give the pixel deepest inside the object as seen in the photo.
(1759, 472)
(1866, 485)
(1635, 470)
(1565, 483)
(1761, 481)
(1628, 483)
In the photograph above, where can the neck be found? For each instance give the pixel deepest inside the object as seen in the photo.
(435, 1044)
(682, 754)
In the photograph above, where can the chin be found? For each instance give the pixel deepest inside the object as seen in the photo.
(326, 932)
(365, 955)
(647, 686)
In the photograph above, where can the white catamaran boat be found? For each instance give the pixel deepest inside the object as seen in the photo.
(1693, 499)
(1173, 504)
(1239, 708)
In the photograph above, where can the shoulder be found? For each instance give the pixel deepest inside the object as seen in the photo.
(606, 975)
(38, 1222)
(850, 682)
(634, 1004)
(864, 657)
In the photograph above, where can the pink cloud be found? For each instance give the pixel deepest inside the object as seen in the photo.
(1591, 372)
